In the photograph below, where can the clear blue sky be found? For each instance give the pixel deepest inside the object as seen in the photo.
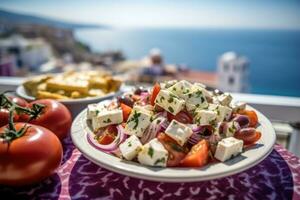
(282, 14)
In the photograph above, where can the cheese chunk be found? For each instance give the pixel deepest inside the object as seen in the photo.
(200, 86)
(224, 99)
(107, 117)
(179, 132)
(153, 154)
(205, 117)
(238, 106)
(169, 102)
(223, 112)
(196, 99)
(231, 128)
(138, 121)
(168, 84)
(92, 111)
(181, 88)
(130, 147)
(227, 148)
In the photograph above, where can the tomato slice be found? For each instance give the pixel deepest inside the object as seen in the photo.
(251, 114)
(106, 139)
(198, 155)
(182, 117)
(108, 136)
(126, 111)
(176, 152)
(155, 92)
(248, 135)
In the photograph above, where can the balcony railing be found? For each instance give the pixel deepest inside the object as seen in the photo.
(284, 112)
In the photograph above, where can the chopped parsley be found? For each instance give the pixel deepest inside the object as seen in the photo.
(160, 160)
(199, 93)
(150, 152)
(97, 112)
(158, 121)
(135, 119)
(171, 99)
(129, 144)
(161, 99)
(170, 109)
(190, 95)
(174, 88)
(107, 121)
(202, 99)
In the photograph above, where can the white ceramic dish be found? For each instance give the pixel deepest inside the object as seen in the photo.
(247, 159)
(74, 105)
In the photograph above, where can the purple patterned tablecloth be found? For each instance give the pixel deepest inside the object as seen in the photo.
(277, 177)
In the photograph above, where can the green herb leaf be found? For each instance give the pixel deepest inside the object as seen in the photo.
(150, 152)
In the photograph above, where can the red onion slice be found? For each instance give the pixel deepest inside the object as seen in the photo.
(109, 148)
(243, 120)
(152, 130)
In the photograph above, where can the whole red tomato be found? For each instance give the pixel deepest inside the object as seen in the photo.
(55, 116)
(4, 113)
(30, 158)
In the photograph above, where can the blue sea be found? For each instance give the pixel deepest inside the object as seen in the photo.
(274, 54)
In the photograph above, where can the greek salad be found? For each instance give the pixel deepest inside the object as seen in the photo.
(173, 124)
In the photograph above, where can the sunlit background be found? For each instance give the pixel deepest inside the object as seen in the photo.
(189, 34)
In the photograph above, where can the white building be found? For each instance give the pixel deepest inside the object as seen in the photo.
(30, 53)
(233, 72)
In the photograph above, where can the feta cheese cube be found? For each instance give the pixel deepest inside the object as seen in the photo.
(224, 99)
(238, 106)
(202, 87)
(153, 154)
(138, 121)
(168, 84)
(148, 109)
(179, 132)
(181, 88)
(107, 117)
(205, 117)
(223, 112)
(92, 111)
(227, 148)
(130, 147)
(195, 99)
(169, 102)
(231, 128)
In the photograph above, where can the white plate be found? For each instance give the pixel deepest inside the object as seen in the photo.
(74, 105)
(247, 159)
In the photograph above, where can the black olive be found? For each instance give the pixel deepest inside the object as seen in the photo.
(126, 100)
(139, 90)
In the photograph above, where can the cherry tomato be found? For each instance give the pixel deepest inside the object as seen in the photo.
(251, 114)
(176, 152)
(198, 155)
(29, 158)
(126, 111)
(182, 117)
(155, 92)
(248, 135)
(55, 116)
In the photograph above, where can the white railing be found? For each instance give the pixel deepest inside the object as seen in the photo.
(283, 111)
